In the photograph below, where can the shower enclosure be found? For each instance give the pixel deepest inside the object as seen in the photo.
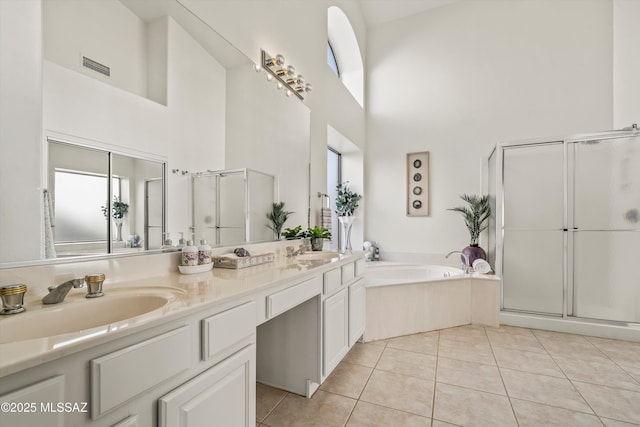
(229, 206)
(566, 226)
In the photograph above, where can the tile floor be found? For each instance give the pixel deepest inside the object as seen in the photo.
(471, 376)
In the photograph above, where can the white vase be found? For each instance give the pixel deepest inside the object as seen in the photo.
(118, 223)
(346, 222)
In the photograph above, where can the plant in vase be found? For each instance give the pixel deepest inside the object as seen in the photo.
(317, 235)
(118, 210)
(476, 216)
(346, 204)
(278, 216)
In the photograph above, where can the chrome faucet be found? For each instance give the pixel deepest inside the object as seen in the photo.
(58, 293)
(291, 252)
(465, 264)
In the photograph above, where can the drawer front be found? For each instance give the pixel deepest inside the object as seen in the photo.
(348, 273)
(122, 375)
(359, 267)
(332, 280)
(226, 332)
(282, 301)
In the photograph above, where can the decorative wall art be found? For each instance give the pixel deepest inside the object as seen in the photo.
(418, 184)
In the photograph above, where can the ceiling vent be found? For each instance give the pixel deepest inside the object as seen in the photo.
(96, 66)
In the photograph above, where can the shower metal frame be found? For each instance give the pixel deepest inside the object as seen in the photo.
(567, 276)
(247, 197)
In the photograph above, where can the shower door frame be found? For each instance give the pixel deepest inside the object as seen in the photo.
(568, 303)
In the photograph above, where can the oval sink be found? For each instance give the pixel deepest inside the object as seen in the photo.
(78, 313)
(317, 256)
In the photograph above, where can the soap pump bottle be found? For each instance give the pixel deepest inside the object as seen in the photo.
(190, 254)
(181, 242)
(167, 243)
(204, 252)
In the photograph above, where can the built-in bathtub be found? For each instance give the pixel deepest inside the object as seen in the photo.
(407, 298)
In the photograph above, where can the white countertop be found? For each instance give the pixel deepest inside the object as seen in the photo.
(197, 291)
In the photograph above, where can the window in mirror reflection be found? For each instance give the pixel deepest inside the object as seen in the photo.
(331, 59)
(79, 200)
(334, 177)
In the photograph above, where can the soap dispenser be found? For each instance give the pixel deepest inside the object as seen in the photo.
(190, 254)
(204, 252)
(181, 242)
(167, 243)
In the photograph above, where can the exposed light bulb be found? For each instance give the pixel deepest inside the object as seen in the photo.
(300, 79)
(279, 60)
(308, 87)
(291, 70)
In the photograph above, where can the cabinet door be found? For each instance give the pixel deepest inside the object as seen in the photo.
(34, 405)
(336, 330)
(224, 395)
(357, 303)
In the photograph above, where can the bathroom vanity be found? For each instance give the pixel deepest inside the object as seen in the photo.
(194, 360)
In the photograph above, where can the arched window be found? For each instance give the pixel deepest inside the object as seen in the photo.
(346, 52)
(331, 59)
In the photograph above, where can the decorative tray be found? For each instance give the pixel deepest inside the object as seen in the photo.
(193, 269)
(231, 260)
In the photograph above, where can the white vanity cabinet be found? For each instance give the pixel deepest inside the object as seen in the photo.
(197, 367)
(335, 334)
(223, 395)
(343, 312)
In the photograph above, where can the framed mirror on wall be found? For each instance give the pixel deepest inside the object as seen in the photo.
(173, 91)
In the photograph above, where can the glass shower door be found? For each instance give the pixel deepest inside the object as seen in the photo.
(605, 228)
(533, 228)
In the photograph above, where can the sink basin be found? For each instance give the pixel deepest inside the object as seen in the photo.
(78, 313)
(317, 256)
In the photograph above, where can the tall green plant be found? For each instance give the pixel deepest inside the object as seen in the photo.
(278, 216)
(476, 215)
(346, 201)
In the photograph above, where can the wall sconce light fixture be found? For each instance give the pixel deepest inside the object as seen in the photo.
(285, 75)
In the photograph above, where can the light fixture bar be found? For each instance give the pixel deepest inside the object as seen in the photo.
(285, 75)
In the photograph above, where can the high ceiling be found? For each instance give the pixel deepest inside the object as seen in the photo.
(377, 12)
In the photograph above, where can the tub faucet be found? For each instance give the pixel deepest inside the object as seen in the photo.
(58, 293)
(465, 264)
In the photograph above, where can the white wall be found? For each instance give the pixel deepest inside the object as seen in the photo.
(20, 129)
(189, 130)
(626, 63)
(455, 80)
(297, 30)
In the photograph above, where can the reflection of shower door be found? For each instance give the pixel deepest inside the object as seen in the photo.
(153, 221)
(219, 211)
(533, 228)
(604, 224)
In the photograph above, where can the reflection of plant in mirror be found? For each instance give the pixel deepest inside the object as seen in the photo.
(346, 201)
(278, 216)
(294, 233)
(118, 208)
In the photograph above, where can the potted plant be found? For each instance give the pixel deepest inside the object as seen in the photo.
(293, 233)
(476, 216)
(346, 204)
(278, 216)
(317, 235)
(118, 210)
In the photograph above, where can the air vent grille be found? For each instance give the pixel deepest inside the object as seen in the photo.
(96, 66)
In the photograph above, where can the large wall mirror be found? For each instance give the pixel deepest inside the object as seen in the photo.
(152, 88)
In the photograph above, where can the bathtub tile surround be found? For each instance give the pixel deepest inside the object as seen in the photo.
(515, 383)
(426, 297)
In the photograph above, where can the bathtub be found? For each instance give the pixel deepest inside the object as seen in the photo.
(405, 299)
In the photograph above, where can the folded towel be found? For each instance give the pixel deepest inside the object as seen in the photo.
(481, 266)
(325, 218)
